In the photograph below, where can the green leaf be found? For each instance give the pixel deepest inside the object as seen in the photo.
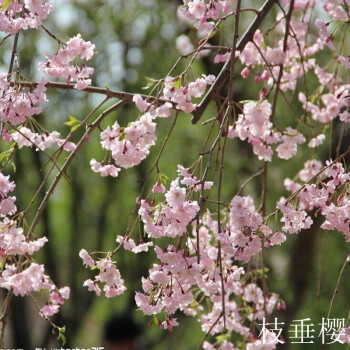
(213, 33)
(246, 101)
(14, 166)
(155, 320)
(6, 4)
(73, 122)
(222, 337)
(163, 178)
(150, 82)
(4, 156)
(61, 336)
(177, 82)
(313, 98)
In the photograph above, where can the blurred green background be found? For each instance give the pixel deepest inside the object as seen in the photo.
(135, 39)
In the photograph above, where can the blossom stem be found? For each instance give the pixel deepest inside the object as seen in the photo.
(90, 129)
(224, 73)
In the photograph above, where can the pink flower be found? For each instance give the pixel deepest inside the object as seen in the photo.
(158, 188)
(316, 141)
(59, 64)
(5, 185)
(87, 259)
(128, 243)
(113, 291)
(311, 168)
(92, 286)
(290, 139)
(143, 247)
(275, 56)
(278, 238)
(104, 170)
(140, 103)
(176, 195)
(245, 72)
(49, 310)
(169, 323)
(197, 8)
(24, 15)
(222, 57)
(183, 44)
(294, 220)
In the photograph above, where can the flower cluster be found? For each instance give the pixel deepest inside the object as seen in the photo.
(30, 280)
(172, 283)
(56, 299)
(294, 220)
(267, 61)
(129, 244)
(61, 65)
(204, 14)
(333, 104)
(14, 243)
(21, 15)
(243, 236)
(291, 138)
(129, 145)
(7, 204)
(182, 95)
(33, 279)
(109, 275)
(255, 125)
(16, 104)
(104, 169)
(331, 199)
(191, 181)
(12, 240)
(344, 335)
(338, 11)
(169, 219)
(24, 137)
(168, 286)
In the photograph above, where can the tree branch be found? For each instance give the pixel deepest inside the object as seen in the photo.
(121, 95)
(225, 71)
(49, 193)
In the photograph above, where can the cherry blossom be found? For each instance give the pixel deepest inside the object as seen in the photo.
(108, 275)
(17, 105)
(255, 125)
(59, 64)
(22, 15)
(24, 137)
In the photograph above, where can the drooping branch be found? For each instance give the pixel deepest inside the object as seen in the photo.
(90, 129)
(121, 95)
(225, 71)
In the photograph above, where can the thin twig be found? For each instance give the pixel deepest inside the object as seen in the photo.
(281, 66)
(90, 129)
(337, 286)
(124, 96)
(83, 124)
(294, 194)
(211, 328)
(224, 73)
(13, 55)
(129, 229)
(3, 318)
